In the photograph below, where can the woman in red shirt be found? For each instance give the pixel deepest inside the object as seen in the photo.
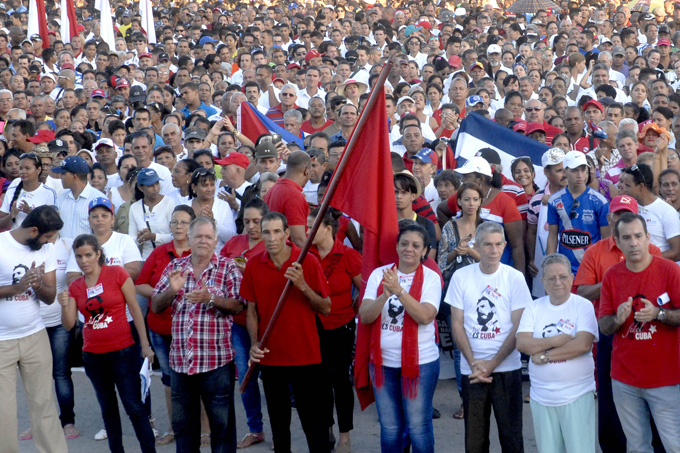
(160, 324)
(109, 357)
(342, 267)
(242, 248)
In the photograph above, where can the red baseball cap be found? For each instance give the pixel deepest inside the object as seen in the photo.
(424, 24)
(68, 66)
(234, 158)
(122, 83)
(595, 104)
(145, 55)
(623, 203)
(98, 94)
(534, 127)
(294, 66)
(42, 136)
(455, 61)
(313, 54)
(663, 42)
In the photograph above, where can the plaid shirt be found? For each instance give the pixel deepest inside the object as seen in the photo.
(201, 337)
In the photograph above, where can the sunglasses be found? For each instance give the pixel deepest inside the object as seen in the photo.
(533, 109)
(573, 214)
(202, 172)
(34, 157)
(635, 168)
(288, 94)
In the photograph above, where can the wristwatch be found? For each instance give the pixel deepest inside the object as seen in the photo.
(661, 315)
(211, 303)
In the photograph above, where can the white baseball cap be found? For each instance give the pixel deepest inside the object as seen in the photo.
(476, 164)
(493, 48)
(553, 156)
(575, 159)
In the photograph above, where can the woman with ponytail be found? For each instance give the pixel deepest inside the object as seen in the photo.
(401, 302)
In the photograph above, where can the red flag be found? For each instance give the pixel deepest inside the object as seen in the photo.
(365, 192)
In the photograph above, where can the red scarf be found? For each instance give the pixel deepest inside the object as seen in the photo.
(410, 370)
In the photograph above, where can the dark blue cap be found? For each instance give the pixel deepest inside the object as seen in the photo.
(73, 164)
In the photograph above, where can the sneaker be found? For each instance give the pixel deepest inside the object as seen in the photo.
(101, 435)
(71, 432)
(26, 435)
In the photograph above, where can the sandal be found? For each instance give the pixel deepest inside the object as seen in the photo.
(251, 439)
(166, 439)
(205, 439)
(460, 414)
(26, 435)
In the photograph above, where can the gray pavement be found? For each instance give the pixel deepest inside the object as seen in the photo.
(365, 436)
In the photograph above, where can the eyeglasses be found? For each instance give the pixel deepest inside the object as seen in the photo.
(573, 214)
(533, 109)
(561, 278)
(642, 175)
(175, 223)
(288, 94)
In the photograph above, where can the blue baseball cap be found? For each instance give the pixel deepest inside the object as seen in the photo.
(206, 39)
(147, 177)
(474, 100)
(293, 6)
(411, 29)
(100, 202)
(73, 164)
(427, 156)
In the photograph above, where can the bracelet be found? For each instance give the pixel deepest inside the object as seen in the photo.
(401, 293)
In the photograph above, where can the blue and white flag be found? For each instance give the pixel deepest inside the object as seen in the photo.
(477, 132)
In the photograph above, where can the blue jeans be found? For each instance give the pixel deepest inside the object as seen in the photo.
(251, 399)
(119, 370)
(60, 341)
(635, 405)
(216, 389)
(161, 347)
(399, 415)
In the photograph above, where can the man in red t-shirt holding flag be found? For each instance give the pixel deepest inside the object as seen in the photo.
(640, 306)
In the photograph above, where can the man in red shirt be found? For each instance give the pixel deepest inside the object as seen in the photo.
(293, 356)
(596, 261)
(317, 113)
(286, 195)
(640, 304)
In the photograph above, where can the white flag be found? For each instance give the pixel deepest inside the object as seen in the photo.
(146, 11)
(33, 26)
(106, 31)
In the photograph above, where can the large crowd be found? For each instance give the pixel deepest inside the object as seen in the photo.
(144, 223)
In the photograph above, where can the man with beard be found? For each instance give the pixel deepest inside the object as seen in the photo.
(486, 315)
(28, 277)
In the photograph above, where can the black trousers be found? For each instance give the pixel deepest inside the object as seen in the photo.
(504, 394)
(309, 389)
(336, 357)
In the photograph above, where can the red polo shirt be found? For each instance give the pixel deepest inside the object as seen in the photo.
(295, 340)
(286, 197)
(340, 265)
(153, 268)
(238, 246)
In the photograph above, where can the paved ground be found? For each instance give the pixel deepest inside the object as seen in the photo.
(365, 437)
